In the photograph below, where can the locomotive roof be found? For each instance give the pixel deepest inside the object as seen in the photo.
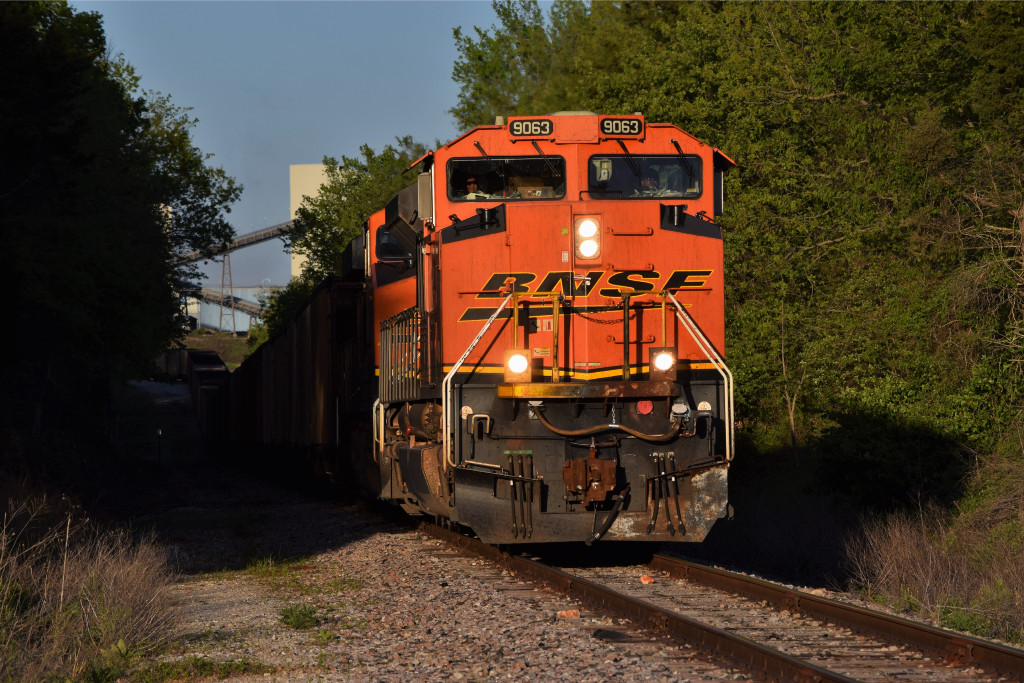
(722, 161)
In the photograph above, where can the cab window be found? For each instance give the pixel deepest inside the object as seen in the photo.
(644, 176)
(390, 249)
(506, 178)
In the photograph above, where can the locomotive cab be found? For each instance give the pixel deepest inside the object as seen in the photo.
(550, 343)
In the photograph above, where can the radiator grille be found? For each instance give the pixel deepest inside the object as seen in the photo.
(400, 356)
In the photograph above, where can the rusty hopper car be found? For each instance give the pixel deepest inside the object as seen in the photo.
(544, 316)
(289, 399)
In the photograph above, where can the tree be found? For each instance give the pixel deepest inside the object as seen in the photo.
(327, 222)
(356, 188)
(875, 217)
(523, 66)
(100, 191)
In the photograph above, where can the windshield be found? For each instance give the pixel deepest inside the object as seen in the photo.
(489, 178)
(643, 177)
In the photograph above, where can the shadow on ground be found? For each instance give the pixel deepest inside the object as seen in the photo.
(210, 512)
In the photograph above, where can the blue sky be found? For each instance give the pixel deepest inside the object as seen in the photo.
(279, 83)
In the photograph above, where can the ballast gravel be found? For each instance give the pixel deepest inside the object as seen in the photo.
(372, 598)
(391, 604)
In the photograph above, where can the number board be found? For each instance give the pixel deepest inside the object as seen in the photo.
(531, 128)
(622, 127)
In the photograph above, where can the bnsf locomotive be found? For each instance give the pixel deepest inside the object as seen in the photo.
(527, 341)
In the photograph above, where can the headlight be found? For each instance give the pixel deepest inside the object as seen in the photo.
(588, 248)
(587, 227)
(517, 363)
(663, 360)
(587, 234)
(663, 364)
(517, 366)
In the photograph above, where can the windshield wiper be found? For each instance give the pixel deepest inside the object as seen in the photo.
(494, 164)
(682, 158)
(629, 160)
(547, 160)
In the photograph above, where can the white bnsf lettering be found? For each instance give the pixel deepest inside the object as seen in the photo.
(621, 126)
(530, 127)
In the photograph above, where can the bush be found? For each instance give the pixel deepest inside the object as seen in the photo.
(960, 571)
(76, 603)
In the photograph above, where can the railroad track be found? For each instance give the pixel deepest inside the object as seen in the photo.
(774, 632)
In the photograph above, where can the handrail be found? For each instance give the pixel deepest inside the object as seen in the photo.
(378, 428)
(446, 399)
(712, 355)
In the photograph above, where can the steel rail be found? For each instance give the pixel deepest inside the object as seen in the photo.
(958, 648)
(754, 656)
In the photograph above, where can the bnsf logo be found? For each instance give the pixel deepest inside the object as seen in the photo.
(617, 284)
(614, 285)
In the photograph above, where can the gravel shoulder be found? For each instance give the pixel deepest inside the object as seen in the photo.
(381, 602)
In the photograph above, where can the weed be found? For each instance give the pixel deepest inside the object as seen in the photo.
(277, 572)
(345, 621)
(960, 619)
(295, 575)
(323, 636)
(299, 616)
(194, 668)
(964, 571)
(76, 603)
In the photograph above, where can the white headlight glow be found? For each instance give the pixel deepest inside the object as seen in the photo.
(587, 228)
(517, 363)
(664, 361)
(588, 237)
(588, 248)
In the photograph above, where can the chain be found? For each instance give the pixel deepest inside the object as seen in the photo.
(572, 309)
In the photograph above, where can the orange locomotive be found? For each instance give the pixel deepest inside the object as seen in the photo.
(548, 305)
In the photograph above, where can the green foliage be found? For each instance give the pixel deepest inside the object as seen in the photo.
(521, 67)
(281, 308)
(102, 191)
(356, 188)
(979, 618)
(299, 616)
(873, 229)
(960, 619)
(196, 668)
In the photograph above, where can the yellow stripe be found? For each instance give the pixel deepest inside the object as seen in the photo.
(580, 372)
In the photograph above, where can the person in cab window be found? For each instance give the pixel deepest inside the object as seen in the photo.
(473, 189)
(649, 184)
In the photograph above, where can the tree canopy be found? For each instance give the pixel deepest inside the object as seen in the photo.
(355, 188)
(873, 248)
(326, 222)
(101, 192)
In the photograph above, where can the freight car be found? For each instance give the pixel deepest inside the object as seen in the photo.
(527, 341)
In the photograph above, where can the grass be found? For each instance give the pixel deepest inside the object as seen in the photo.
(294, 574)
(76, 603)
(231, 348)
(299, 616)
(194, 668)
(961, 571)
